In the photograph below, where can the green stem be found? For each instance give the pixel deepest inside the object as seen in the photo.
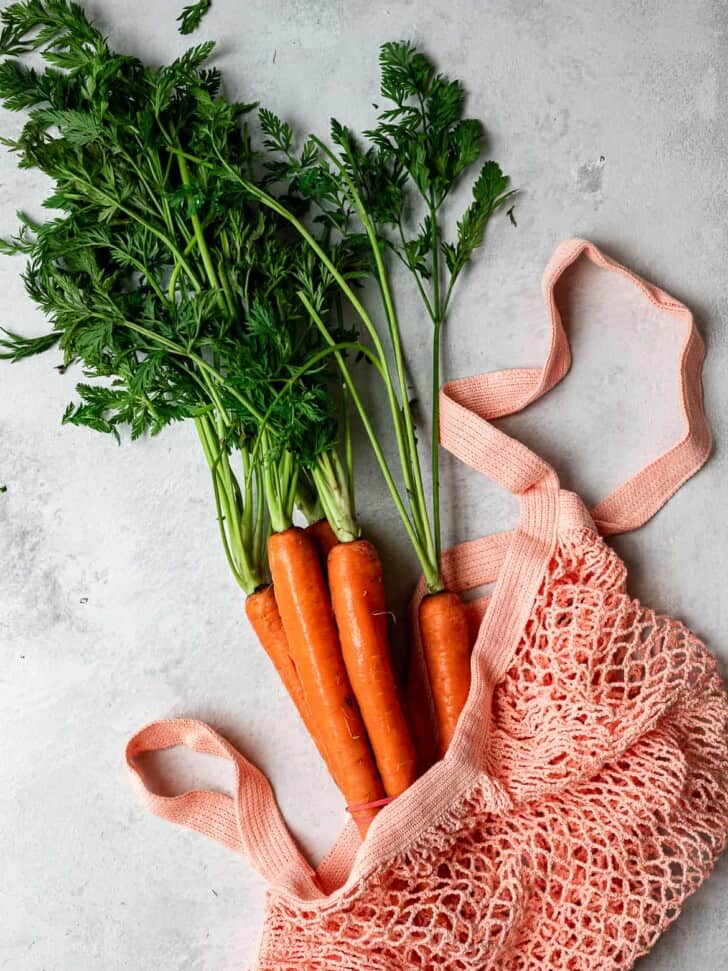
(242, 582)
(290, 498)
(348, 449)
(435, 450)
(231, 492)
(307, 501)
(229, 298)
(271, 486)
(429, 569)
(220, 296)
(330, 480)
(415, 274)
(177, 269)
(260, 532)
(155, 198)
(246, 522)
(237, 553)
(436, 440)
(448, 293)
(418, 501)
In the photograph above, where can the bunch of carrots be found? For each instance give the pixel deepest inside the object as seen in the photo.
(206, 265)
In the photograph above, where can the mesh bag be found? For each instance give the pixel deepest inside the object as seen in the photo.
(585, 793)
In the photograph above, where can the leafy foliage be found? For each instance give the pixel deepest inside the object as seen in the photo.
(426, 135)
(416, 155)
(191, 16)
(14, 347)
(161, 276)
(176, 272)
(489, 193)
(375, 190)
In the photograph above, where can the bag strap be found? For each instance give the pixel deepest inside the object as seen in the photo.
(249, 822)
(468, 405)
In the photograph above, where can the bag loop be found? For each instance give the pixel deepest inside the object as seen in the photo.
(468, 405)
(249, 822)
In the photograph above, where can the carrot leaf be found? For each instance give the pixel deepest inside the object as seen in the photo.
(190, 18)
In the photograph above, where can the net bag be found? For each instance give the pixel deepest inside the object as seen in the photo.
(585, 793)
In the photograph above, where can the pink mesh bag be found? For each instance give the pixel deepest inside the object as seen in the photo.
(585, 793)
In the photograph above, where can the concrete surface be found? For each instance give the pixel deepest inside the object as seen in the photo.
(116, 604)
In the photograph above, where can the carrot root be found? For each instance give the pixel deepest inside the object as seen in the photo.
(357, 595)
(306, 614)
(420, 714)
(446, 644)
(323, 536)
(262, 612)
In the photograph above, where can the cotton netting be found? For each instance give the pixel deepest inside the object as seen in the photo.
(604, 804)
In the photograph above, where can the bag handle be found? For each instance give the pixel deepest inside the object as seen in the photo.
(468, 405)
(248, 822)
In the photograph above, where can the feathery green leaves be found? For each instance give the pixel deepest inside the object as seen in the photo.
(179, 274)
(191, 16)
(390, 190)
(14, 347)
(160, 275)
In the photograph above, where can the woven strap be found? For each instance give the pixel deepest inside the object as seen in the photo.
(249, 822)
(468, 405)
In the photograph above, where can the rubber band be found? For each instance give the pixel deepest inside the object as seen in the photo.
(360, 807)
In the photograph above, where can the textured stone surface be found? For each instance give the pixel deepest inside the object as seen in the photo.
(115, 604)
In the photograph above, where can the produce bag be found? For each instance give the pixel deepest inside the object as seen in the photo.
(585, 793)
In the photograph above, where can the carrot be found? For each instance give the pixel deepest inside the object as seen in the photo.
(419, 714)
(474, 611)
(262, 612)
(323, 536)
(357, 595)
(307, 617)
(446, 645)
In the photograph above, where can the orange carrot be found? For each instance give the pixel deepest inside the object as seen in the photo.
(305, 610)
(446, 646)
(474, 610)
(262, 611)
(357, 595)
(323, 536)
(419, 714)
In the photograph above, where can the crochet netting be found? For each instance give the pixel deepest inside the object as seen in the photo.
(594, 822)
(585, 792)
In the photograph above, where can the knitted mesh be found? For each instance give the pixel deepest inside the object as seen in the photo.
(604, 804)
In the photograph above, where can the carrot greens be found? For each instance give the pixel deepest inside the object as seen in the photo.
(184, 248)
(413, 159)
(203, 263)
(191, 17)
(172, 288)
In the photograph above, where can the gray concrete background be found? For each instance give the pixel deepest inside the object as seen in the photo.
(116, 604)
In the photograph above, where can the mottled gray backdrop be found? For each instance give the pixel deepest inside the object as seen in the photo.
(116, 604)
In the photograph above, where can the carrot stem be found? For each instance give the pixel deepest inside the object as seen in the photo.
(329, 477)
